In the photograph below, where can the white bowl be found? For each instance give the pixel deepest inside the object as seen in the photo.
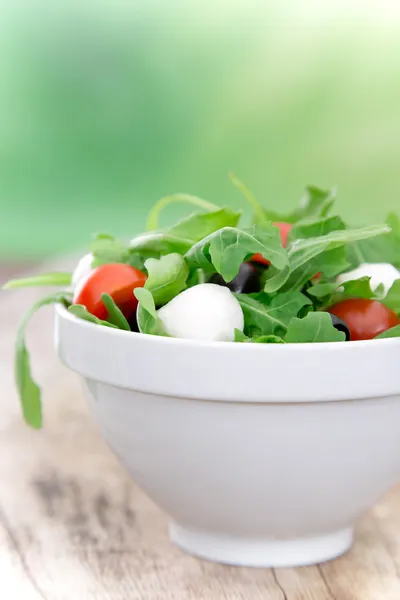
(262, 455)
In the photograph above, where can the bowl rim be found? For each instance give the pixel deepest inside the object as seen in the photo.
(303, 346)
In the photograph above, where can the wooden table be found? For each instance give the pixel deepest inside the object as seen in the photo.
(74, 527)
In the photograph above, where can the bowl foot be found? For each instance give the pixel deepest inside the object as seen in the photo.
(258, 552)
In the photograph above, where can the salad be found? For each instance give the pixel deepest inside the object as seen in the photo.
(302, 277)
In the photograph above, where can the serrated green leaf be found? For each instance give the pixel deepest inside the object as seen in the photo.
(316, 327)
(390, 333)
(240, 336)
(384, 249)
(226, 249)
(161, 243)
(167, 277)
(80, 311)
(28, 390)
(260, 339)
(115, 315)
(45, 279)
(107, 250)
(358, 288)
(310, 255)
(270, 317)
(392, 298)
(147, 318)
(316, 227)
(200, 225)
(321, 290)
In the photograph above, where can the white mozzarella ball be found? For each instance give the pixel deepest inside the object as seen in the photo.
(384, 273)
(81, 274)
(204, 312)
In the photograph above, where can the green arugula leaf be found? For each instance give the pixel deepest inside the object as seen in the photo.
(384, 249)
(154, 214)
(160, 242)
(167, 277)
(260, 339)
(196, 277)
(264, 316)
(28, 390)
(147, 318)
(115, 316)
(392, 299)
(322, 290)
(302, 253)
(226, 249)
(240, 336)
(198, 226)
(46, 279)
(390, 333)
(82, 312)
(182, 236)
(316, 227)
(314, 203)
(314, 328)
(356, 288)
(108, 250)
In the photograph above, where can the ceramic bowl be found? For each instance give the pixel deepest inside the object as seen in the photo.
(261, 455)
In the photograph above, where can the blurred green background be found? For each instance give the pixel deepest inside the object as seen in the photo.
(106, 107)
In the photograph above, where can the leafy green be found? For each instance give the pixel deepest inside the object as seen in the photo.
(198, 226)
(258, 339)
(147, 318)
(392, 299)
(240, 336)
(167, 277)
(182, 236)
(322, 290)
(356, 288)
(314, 203)
(160, 242)
(315, 327)
(82, 312)
(385, 249)
(390, 333)
(115, 315)
(106, 249)
(46, 279)
(226, 249)
(29, 391)
(196, 277)
(154, 214)
(264, 316)
(315, 227)
(302, 253)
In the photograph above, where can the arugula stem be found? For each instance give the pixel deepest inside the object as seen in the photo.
(152, 222)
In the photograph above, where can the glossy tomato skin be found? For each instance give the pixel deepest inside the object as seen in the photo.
(365, 318)
(284, 228)
(117, 280)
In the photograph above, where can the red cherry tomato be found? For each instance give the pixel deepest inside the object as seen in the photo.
(365, 318)
(284, 228)
(115, 279)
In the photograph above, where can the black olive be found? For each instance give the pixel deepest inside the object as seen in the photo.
(340, 325)
(247, 281)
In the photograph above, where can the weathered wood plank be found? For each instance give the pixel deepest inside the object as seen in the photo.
(72, 524)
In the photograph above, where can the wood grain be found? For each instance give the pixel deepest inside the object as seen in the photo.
(73, 525)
